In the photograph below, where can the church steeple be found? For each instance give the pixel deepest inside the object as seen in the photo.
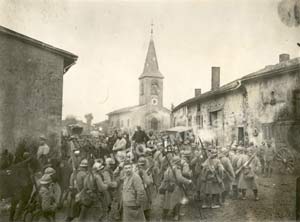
(151, 80)
(151, 65)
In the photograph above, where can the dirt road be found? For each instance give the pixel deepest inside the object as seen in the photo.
(277, 202)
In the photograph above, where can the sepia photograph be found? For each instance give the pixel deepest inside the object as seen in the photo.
(149, 110)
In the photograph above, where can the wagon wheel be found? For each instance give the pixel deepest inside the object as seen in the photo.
(285, 161)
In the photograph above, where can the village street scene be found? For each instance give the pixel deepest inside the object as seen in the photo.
(149, 110)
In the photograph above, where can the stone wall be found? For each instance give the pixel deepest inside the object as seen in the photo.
(31, 88)
(260, 107)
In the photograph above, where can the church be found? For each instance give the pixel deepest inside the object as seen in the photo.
(150, 113)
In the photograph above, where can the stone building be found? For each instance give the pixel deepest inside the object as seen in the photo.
(31, 88)
(150, 114)
(261, 106)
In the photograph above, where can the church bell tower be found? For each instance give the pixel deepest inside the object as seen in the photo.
(151, 80)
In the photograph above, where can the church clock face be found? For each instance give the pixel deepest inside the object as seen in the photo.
(154, 101)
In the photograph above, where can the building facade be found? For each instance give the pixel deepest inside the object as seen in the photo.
(261, 106)
(31, 88)
(150, 114)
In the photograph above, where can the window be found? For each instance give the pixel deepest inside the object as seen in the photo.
(297, 104)
(121, 123)
(128, 122)
(189, 110)
(199, 121)
(267, 130)
(198, 107)
(190, 121)
(154, 87)
(213, 118)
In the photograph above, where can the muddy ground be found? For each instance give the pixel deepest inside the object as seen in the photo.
(277, 203)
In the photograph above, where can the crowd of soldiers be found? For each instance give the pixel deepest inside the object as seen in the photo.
(133, 176)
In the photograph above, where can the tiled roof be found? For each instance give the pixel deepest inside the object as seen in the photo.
(280, 68)
(223, 89)
(273, 69)
(125, 110)
(69, 58)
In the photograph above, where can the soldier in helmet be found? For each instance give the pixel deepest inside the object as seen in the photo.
(47, 197)
(173, 181)
(147, 182)
(247, 178)
(212, 174)
(92, 206)
(55, 187)
(76, 186)
(108, 176)
(239, 151)
(228, 175)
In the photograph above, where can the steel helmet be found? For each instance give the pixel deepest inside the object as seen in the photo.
(97, 166)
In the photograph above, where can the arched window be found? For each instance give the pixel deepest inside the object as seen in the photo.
(154, 124)
(154, 87)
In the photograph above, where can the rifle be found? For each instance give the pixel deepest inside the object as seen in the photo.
(202, 146)
(177, 182)
(247, 163)
(146, 190)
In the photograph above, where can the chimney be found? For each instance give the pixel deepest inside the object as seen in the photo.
(284, 57)
(215, 78)
(197, 92)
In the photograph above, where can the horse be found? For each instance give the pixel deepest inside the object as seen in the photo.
(16, 183)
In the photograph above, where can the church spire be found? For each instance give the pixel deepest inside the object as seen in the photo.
(151, 65)
(151, 32)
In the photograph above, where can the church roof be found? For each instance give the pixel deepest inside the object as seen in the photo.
(151, 65)
(125, 110)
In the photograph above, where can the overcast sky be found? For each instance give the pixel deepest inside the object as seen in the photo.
(111, 40)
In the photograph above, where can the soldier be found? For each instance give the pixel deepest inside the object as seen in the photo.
(235, 158)
(212, 174)
(119, 176)
(139, 136)
(261, 155)
(196, 165)
(120, 144)
(108, 176)
(133, 195)
(229, 174)
(76, 186)
(147, 181)
(186, 146)
(248, 174)
(55, 188)
(48, 203)
(268, 158)
(43, 151)
(232, 153)
(174, 182)
(93, 206)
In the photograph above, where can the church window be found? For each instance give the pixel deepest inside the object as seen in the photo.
(154, 87)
